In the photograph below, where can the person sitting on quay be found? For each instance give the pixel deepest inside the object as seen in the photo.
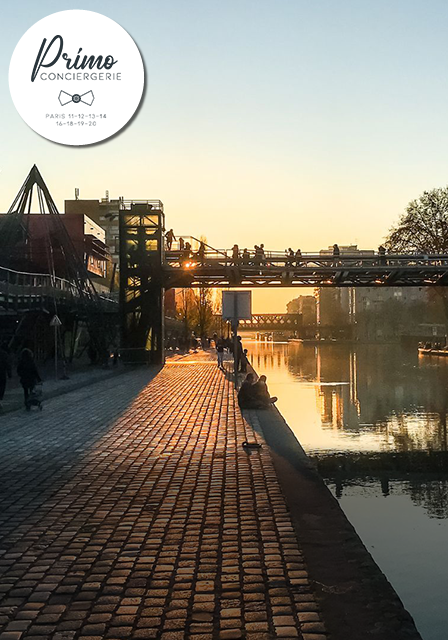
(246, 396)
(251, 396)
(262, 394)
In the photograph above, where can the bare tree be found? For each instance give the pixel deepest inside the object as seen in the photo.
(185, 304)
(204, 310)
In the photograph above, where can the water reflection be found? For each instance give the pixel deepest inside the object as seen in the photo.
(374, 420)
(368, 397)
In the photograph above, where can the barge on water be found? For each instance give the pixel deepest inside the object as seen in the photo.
(428, 350)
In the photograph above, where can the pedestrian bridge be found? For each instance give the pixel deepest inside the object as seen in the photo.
(272, 322)
(216, 268)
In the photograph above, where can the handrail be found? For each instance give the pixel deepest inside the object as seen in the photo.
(42, 281)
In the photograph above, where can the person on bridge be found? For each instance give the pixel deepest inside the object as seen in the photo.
(5, 371)
(246, 256)
(201, 253)
(260, 257)
(235, 255)
(382, 253)
(28, 373)
(181, 244)
(170, 237)
(262, 395)
(336, 254)
(290, 255)
(298, 257)
(185, 254)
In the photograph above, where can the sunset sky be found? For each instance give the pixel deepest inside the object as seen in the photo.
(288, 122)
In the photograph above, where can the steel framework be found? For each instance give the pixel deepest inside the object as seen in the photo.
(273, 322)
(313, 270)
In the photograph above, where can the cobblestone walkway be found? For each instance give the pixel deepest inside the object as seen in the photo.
(131, 510)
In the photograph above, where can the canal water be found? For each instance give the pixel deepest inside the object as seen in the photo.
(374, 420)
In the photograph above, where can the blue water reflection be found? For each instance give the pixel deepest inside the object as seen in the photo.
(373, 418)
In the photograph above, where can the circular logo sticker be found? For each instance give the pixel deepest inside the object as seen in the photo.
(76, 77)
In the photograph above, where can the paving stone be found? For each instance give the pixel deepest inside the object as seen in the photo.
(139, 515)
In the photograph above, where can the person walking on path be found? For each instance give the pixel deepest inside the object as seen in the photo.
(5, 371)
(239, 353)
(28, 373)
(244, 362)
(220, 352)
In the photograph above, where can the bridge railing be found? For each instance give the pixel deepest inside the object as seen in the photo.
(222, 257)
(22, 283)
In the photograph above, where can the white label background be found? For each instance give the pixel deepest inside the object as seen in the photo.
(117, 100)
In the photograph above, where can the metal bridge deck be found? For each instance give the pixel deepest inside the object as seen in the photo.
(312, 270)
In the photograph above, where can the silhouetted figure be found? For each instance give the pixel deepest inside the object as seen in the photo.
(336, 254)
(246, 256)
(290, 255)
(170, 238)
(244, 361)
(235, 254)
(28, 374)
(382, 253)
(262, 395)
(220, 346)
(298, 257)
(181, 244)
(239, 352)
(259, 255)
(201, 253)
(5, 371)
(185, 254)
(246, 395)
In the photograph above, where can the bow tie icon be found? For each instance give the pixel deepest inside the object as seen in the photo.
(64, 98)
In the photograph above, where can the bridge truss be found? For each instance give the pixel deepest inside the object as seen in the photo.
(273, 322)
(313, 270)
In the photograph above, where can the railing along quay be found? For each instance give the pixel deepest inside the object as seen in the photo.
(20, 289)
